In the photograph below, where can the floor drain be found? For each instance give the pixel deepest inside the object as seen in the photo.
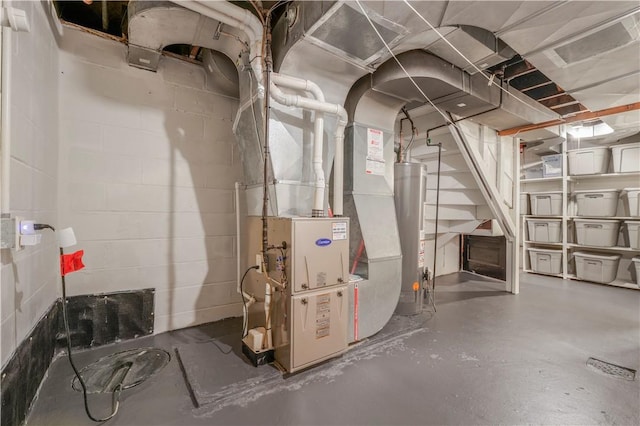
(130, 367)
(612, 369)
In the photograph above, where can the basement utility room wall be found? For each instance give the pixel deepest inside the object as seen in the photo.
(29, 281)
(148, 166)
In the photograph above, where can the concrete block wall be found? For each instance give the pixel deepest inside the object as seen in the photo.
(29, 278)
(147, 171)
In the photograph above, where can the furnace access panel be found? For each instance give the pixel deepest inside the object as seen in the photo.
(310, 323)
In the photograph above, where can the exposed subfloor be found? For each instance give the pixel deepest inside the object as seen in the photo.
(485, 357)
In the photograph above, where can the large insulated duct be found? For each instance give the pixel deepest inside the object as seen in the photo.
(241, 19)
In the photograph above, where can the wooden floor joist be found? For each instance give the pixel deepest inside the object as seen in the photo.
(588, 115)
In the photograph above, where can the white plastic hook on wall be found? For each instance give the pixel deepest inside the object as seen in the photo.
(66, 238)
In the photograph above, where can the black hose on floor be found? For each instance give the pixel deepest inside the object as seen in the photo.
(115, 400)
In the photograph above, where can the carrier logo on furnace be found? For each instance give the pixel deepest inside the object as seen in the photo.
(323, 242)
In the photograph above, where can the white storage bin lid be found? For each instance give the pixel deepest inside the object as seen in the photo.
(550, 251)
(626, 145)
(540, 220)
(632, 222)
(576, 219)
(636, 259)
(545, 192)
(593, 148)
(594, 191)
(597, 256)
(630, 190)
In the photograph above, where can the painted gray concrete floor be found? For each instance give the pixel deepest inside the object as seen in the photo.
(485, 357)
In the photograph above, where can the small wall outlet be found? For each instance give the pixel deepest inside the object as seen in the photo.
(259, 262)
(27, 227)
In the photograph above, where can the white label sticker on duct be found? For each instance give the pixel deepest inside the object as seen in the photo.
(375, 164)
(339, 230)
(421, 254)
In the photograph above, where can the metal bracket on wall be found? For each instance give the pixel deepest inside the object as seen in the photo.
(8, 232)
(15, 18)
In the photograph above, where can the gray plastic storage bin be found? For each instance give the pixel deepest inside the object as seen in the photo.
(633, 233)
(524, 203)
(534, 172)
(589, 161)
(597, 232)
(547, 203)
(631, 200)
(602, 202)
(599, 268)
(545, 230)
(546, 261)
(551, 165)
(626, 158)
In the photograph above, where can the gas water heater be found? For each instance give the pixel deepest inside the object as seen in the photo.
(410, 184)
(305, 270)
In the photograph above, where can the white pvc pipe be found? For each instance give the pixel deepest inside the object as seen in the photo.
(318, 136)
(244, 20)
(238, 238)
(298, 83)
(318, 142)
(268, 340)
(338, 164)
(5, 120)
(321, 106)
(240, 18)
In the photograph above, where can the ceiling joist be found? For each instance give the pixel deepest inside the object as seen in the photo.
(589, 115)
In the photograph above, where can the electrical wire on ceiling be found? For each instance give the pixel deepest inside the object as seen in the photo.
(446, 118)
(489, 79)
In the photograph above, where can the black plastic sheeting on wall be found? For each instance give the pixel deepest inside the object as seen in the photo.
(94, 320)
(25, 370)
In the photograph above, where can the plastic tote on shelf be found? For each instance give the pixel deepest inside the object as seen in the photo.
(597, 232)
(589, 161)
(551, 165)
(548, 203)
(631, 201)
(546, 261)
(545, 230)
(636, 264)
(626, 158)
(633, 233)
(602, 202)
(524, 203)
(599, 268)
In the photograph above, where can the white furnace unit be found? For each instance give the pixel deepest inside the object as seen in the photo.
(306, 272)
